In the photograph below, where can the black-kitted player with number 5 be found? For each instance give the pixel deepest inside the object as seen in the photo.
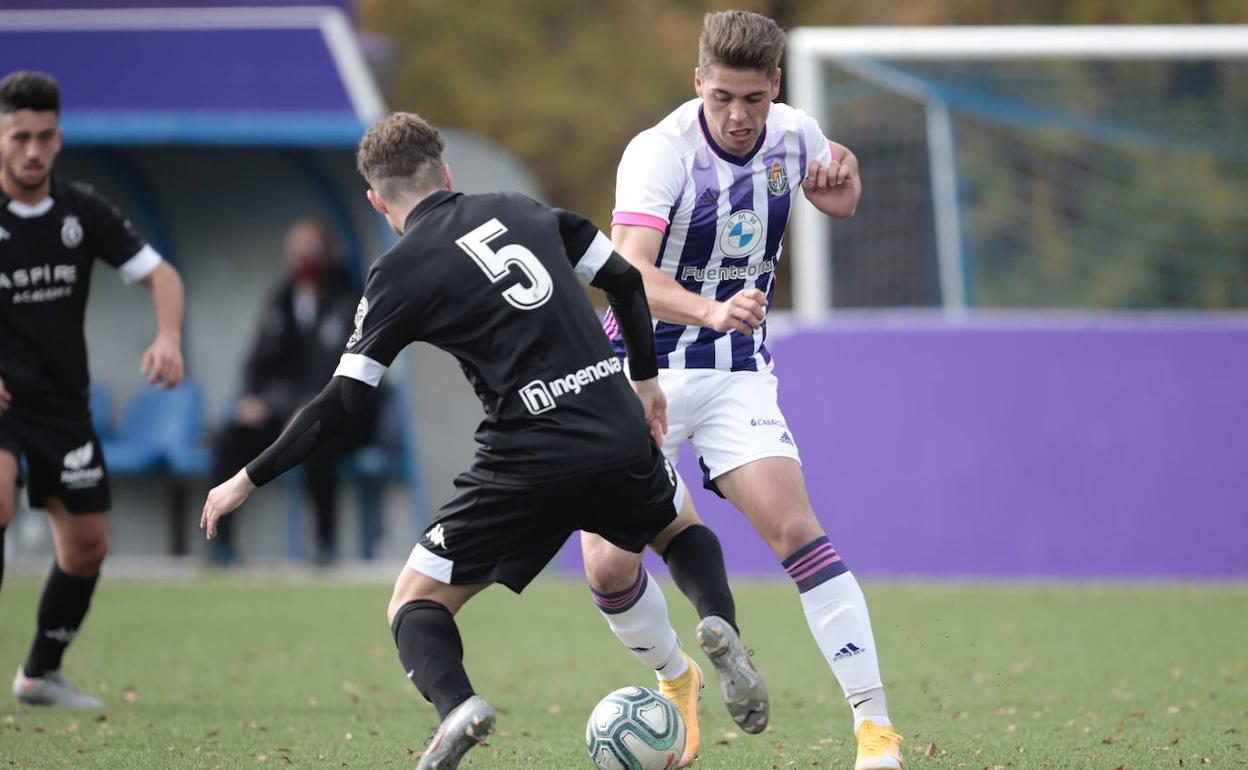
(565, 444)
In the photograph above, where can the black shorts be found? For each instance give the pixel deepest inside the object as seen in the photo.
(63, 460)
(496, 533)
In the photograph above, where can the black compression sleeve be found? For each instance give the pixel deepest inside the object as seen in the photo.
(326, 417)
(627, 294)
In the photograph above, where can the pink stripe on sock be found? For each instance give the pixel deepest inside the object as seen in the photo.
(624, 601)
(644, 220)
(818, 553)
(815, 568)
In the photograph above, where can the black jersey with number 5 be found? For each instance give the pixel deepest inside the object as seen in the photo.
(46, 254)
(493, 280)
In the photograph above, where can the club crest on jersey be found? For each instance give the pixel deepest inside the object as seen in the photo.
(71, 232)
(741, 234)
(777, 179)
(361, 310)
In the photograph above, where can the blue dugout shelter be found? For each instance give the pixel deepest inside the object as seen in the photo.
(212, 128)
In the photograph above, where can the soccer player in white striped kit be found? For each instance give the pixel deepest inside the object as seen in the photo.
(702, 202)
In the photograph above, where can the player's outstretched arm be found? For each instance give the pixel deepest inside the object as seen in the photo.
(162, 361)
(627, 294)
(671, 302)
(326, 417)
(835, 188)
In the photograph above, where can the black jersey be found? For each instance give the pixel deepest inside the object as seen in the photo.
(493, 280)
(46, 255)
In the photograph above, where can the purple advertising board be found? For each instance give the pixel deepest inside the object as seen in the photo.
(1034, 447)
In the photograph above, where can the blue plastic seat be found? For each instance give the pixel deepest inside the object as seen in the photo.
(101, 403)
(157, 425)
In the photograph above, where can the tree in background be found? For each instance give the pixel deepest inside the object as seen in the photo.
(564, 84)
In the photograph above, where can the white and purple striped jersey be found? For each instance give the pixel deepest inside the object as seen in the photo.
(722, 217)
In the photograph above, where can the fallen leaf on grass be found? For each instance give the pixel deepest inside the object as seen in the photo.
(129, 694)
(553, 709)
(930, 751)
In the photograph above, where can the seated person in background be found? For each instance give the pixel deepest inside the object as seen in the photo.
(309, 317)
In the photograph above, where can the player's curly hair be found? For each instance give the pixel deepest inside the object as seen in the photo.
(28, 90)
(401, 153)
(740, 40)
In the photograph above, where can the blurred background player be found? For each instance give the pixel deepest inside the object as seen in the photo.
(51, 232)
(565, 444)
(702, 201)
(301, 332)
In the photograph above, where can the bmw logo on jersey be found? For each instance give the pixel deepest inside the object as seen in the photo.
(742, 234)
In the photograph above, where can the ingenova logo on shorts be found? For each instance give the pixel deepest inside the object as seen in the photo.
(539, 396)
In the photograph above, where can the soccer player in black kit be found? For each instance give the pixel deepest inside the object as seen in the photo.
(51, 232)
(566, 444)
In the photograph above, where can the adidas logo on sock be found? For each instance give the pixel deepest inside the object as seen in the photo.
(848, 651)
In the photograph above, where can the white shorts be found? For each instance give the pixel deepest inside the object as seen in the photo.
(731, 418)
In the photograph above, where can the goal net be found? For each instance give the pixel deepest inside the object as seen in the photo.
(1029, 167)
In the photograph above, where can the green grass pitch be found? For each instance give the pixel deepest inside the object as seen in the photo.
(251, 672)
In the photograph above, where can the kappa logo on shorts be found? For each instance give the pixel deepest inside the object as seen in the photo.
(437, 536)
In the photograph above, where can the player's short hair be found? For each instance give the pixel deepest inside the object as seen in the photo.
(401, 153)
(740, 40)
(27, 90)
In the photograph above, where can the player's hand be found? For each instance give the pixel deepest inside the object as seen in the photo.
(223, 499)
(251, 411)
(162, 363)
(654, 404)
(834, 188)
(5, 399)
(742, 312)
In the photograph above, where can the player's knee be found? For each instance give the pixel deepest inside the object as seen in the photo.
(6, 507)
(794, 531)
(83, 556)
(610, 569)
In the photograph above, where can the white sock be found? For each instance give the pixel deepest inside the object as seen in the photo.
(638, 616)
(836, 611)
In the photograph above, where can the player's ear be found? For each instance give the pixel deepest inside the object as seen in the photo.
(377, 203)
(697, 81)
(775, 84)
(446, 175)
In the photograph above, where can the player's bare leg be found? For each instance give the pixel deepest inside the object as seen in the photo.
(8, 499)
(421, 615)
(771, 492)
(634, 607)
(81, 542)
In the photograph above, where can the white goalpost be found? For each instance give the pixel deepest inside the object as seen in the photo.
(936, 71)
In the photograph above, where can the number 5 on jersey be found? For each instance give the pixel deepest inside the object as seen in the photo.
(497, 265)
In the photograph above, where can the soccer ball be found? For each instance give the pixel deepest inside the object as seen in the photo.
(635, 728)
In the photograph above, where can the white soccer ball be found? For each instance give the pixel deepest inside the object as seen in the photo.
(635, 728)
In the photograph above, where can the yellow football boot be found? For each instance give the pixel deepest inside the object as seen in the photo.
(684, 692)
(879, 748)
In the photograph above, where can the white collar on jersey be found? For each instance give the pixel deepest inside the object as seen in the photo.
(26, 211)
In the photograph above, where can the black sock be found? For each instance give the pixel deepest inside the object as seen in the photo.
(697, 565)
(432, 654)
(2, 528)
(61, 609)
